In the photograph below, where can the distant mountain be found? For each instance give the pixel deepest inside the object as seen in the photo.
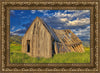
(86, 43)
(15, 39)
(18, 39)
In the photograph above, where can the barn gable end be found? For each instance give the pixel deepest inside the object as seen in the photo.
(40, 39)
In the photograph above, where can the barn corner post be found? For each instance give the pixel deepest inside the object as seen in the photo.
(23, 48)
(56, 47)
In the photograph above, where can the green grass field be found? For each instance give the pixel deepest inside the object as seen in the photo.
(16, 56)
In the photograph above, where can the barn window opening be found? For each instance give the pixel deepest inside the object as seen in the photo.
(73, 46)
(28, 45)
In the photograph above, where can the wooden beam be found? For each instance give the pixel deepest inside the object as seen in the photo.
(56, 48)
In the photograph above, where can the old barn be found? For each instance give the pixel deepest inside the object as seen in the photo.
(41, 40)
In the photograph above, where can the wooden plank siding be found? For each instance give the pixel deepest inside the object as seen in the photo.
(40, 40)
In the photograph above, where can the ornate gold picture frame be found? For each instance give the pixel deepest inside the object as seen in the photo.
(7, 67)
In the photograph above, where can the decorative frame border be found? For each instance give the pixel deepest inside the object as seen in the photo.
(6, 66)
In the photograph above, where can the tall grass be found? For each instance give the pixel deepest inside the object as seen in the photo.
(16, 56)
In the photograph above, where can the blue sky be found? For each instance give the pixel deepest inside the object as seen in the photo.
(76, 20)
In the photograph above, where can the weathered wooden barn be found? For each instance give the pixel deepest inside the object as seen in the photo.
(41, 40)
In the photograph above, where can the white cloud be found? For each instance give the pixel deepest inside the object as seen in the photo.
(43, 11)
(12, 33)
(59, 14)
(18, 29)
(77, 13)
(84, 21)
(33, 11)
(63, 19)
(82, 32)
(13, 28)
(64, 14)
(88, 27)
(69, 11)
(46, 14)
(69, 16)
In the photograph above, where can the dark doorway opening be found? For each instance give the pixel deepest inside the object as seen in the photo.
(53, 49)
(28, 45)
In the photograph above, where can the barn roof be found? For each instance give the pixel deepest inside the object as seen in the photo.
(69, 40)
(49, 29)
